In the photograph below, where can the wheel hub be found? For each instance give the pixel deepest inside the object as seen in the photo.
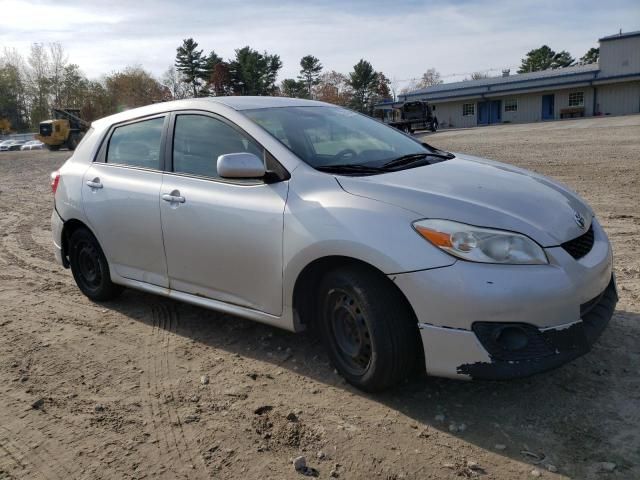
(89, 265)
(350, 332)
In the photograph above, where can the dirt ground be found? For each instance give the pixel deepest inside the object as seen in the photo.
(116, 390)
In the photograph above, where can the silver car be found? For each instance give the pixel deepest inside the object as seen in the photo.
(304, 215)
(33, 145)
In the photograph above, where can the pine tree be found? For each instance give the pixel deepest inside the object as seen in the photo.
(191, 64)
(310, 72)
(592, 56)
(544, 58)
(364, 81)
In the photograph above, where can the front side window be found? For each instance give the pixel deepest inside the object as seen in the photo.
(199, 140)
(576, 99)
(511, 105)
(333, 136)
(468, 109)
(136, 144)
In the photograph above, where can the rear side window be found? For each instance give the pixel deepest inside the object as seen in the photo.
(137, 144)
(199, 140)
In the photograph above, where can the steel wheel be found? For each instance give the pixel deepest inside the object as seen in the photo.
(90, 267)
(370, 334)
(350, 331)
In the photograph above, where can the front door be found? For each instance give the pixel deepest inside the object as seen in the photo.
(495, 111)
(548, 107)
(120, 195)
(483, 113)
(223, 239)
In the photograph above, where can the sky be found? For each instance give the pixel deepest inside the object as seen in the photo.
(402, 38)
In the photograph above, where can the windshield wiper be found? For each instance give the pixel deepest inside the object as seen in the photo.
(353, 168)
(437, 151)
(415, 157)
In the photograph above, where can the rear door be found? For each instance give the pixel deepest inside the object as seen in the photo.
(223, 238)
(121, 193)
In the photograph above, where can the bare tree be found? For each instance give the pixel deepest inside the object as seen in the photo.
(172, 80)
(430, 78)
(409, 87)
(39, 83)
(478, 76)
(58, 62)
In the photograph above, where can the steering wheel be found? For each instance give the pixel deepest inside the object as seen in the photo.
(346, 154)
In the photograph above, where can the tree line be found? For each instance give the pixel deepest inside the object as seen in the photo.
(30, 87)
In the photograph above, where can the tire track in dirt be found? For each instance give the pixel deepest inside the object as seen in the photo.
(159, 391)
(26, 457)
(27, 241)
(15, 256)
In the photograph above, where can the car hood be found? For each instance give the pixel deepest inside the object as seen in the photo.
(483, 193)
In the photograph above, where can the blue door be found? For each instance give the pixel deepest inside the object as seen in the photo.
(489, 112)
(483, 113)
(495, 111)
(547, 107)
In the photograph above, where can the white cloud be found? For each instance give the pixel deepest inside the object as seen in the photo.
(403, 40)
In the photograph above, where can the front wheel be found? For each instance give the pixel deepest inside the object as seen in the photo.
(72, 142)
(90, 267)
(367, 327)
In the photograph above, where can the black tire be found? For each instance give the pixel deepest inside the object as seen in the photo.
(53, 148)
(367, 327)
(72, 142)
(90, 267)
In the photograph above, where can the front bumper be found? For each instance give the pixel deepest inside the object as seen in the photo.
(554, 312)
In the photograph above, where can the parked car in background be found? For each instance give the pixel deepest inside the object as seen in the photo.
(33, 145)
(11, 145)
(303, 215)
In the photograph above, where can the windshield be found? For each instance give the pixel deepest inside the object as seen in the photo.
(333, 136)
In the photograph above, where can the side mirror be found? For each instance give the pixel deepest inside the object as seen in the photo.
(240, 165)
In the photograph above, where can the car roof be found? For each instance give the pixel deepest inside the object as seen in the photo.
(205, 103)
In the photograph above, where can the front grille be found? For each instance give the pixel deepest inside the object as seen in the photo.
(579, 247)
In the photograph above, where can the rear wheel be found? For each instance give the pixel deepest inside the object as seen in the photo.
(90, 267)
(367, 328)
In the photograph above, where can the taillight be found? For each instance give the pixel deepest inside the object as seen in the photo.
(55, 179)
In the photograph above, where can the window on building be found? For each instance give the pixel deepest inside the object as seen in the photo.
(468, 109)
(576, 99)
(511, 105)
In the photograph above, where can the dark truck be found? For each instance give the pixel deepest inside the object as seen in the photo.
(416, 116)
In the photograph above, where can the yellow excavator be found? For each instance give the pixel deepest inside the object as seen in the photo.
(65, 129)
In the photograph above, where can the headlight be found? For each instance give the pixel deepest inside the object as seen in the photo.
(481, 244)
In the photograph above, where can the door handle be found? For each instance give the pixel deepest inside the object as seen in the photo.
(95, 183)
(169, 197)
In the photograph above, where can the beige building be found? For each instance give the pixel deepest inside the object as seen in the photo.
(609, 87)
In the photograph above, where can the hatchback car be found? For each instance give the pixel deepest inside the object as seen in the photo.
(300, 214)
